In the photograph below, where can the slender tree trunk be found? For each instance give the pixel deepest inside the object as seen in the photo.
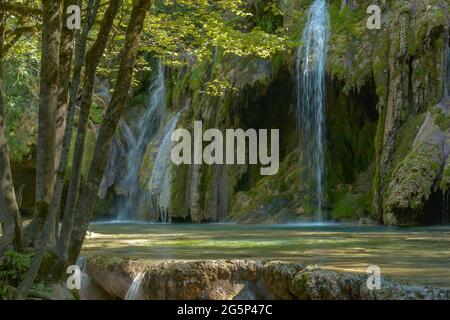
(48, 101)
(108, 127)
(65, 64)
(92, 60)
(38, 256)
(81, 39)
(9, 212)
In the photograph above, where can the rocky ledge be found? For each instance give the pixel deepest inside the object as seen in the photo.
(239, 279)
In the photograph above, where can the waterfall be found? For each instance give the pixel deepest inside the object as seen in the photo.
(146, 128)
(134, 292)
(81, 263)
(160, 181)
(310, 89)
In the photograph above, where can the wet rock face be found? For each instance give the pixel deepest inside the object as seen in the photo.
(242, 279)
(414, 178)
(329, 285)
(379, 83)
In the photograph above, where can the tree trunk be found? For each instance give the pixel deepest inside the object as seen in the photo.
(92, 60)
(48, 100)
(81, 39)
(108, 127)
(56, 198)
(38, 256)
(65, 64)
(9, 212)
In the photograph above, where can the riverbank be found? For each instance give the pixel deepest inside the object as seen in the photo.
(236, 279)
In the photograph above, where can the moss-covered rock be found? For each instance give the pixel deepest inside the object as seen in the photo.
(414, 177)
(411, 184)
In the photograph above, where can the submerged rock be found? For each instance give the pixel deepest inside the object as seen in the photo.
(243, 279)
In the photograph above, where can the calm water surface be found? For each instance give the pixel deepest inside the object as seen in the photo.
(414, 255)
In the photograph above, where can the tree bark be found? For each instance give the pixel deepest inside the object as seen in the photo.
(65, 64)
(108, 127)
(38, 256)
(92, 60)
(56, 198)
(48, 100)
(9, 212)
(81, 39)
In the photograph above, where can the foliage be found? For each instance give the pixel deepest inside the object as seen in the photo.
(21, 87)
(12, 271)
(96, 114)
(216, 88)
(271, 18)
(185, 31)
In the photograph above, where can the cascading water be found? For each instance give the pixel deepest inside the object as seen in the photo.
(310, 109)
(146, 129)
(160, 181)
(134, 292)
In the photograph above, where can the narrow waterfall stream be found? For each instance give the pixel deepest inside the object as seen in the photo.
(133, 292)
(160, 181)
(137, 143)
(310, 109)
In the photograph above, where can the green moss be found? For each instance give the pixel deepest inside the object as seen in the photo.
(347, 20)
(380, 66)
(352, 207)
(96, 114)
(89, 148)
(179, 185)
(445, 180)
(146, 169)
(138, 100)
(443, 121)
(284, 185)
(300, 281)
(412, 180)
(196, 77)
(350, 46)
(354, 201)
(433, 18)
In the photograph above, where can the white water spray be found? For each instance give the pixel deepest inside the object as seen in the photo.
(310, 89)
(137, 143)
(134, 292)
(161, 179)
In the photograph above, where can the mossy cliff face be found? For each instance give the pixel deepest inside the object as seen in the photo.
(409, 76)
(387, 120)
(208, 192)
(407, 62)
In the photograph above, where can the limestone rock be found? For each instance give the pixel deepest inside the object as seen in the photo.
(244, 279)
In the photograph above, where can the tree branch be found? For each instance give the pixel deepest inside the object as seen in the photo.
(18, 33)
(22, 10)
